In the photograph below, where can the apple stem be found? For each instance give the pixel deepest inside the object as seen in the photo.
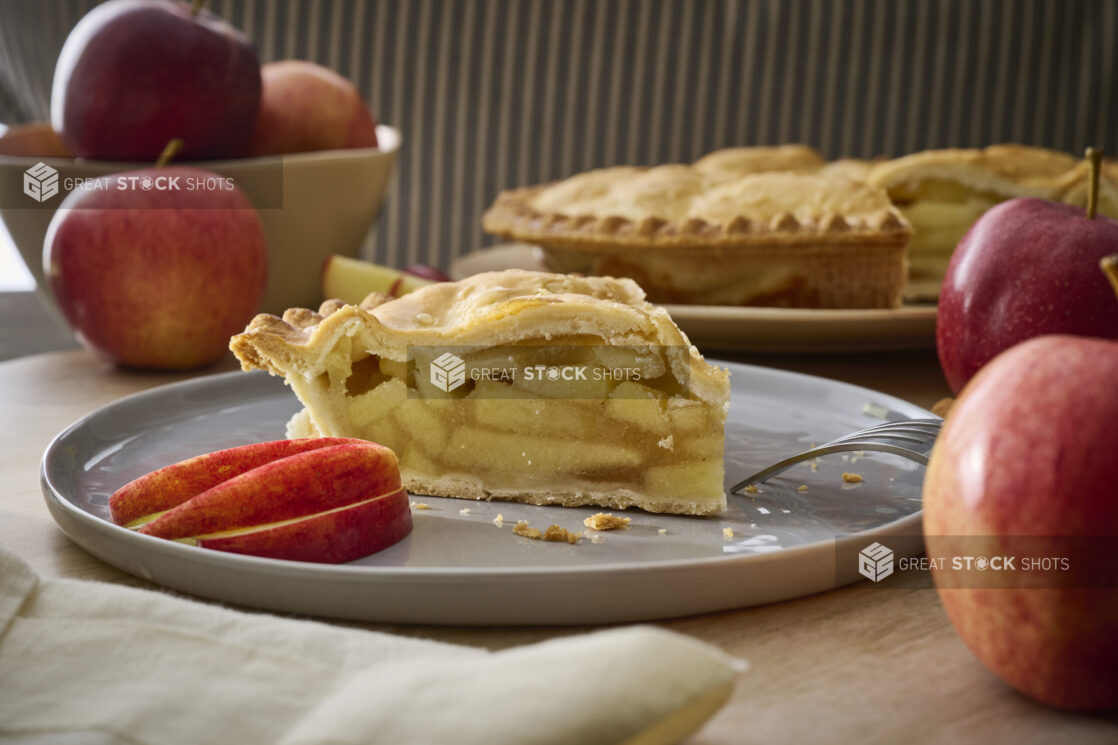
(1094, 161)
(196, 7)
(169, 152)
(1109, 266)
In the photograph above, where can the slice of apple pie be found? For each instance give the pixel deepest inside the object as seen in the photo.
(527, 386)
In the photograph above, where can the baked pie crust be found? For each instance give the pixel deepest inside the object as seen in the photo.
(655, 444)
(712, 233)
(734, 162)
(942, 192)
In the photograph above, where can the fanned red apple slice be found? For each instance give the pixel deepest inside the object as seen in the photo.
(333, 537)
(169, 487)
(285, 489)
(331, 503)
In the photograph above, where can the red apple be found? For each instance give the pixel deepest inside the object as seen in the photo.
(1009, 278)
(307, 483)
(328, 500)
(134, 74)
(306, 107)
(426, 271)
(153, 271)
(329, 538)
(172, 485)
(1026, 464)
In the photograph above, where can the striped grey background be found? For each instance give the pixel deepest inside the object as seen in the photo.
(496, 93)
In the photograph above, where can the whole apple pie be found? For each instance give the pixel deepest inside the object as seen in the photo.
(745, 226)
(477, 387)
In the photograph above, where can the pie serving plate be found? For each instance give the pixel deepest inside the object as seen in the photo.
(772, 330)
(460, 567)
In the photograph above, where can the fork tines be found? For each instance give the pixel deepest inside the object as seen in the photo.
(909, 438)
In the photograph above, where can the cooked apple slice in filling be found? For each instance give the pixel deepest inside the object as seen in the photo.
(940, 213)
(943, 192)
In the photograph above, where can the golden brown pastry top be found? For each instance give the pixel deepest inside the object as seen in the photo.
(735, 162)
(810, 198)
(665, 192)
(728, 197)
(851, 168)
(1003, 170)
(489, 309)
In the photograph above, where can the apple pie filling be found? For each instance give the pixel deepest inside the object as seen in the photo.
(588, 441)
(943, 192)
(940, 212)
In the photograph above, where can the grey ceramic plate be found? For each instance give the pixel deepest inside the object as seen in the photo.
(460, 568)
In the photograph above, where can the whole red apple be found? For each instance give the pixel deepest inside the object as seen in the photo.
(152, 271)
(1029, 449)
(306, 107)
(134, 74)
(1027, 267)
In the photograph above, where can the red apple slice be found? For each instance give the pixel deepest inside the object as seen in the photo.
(427, 272)
(293, 487)
(169, 487)
(332, 537)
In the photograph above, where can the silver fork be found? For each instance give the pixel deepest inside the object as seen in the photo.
(910, 438)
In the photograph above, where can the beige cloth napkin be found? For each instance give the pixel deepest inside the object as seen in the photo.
(94, 662)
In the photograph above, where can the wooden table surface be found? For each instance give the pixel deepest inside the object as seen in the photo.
(854, 665)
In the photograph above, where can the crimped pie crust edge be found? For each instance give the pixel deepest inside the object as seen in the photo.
(513, 216)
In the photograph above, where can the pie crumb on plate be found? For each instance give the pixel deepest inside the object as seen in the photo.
(606, 521)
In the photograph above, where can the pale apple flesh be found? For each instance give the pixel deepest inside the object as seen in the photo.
(168, 487)
(1028, 450)
(350, 280)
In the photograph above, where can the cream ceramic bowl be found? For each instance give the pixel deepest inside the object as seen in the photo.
(312, 205)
